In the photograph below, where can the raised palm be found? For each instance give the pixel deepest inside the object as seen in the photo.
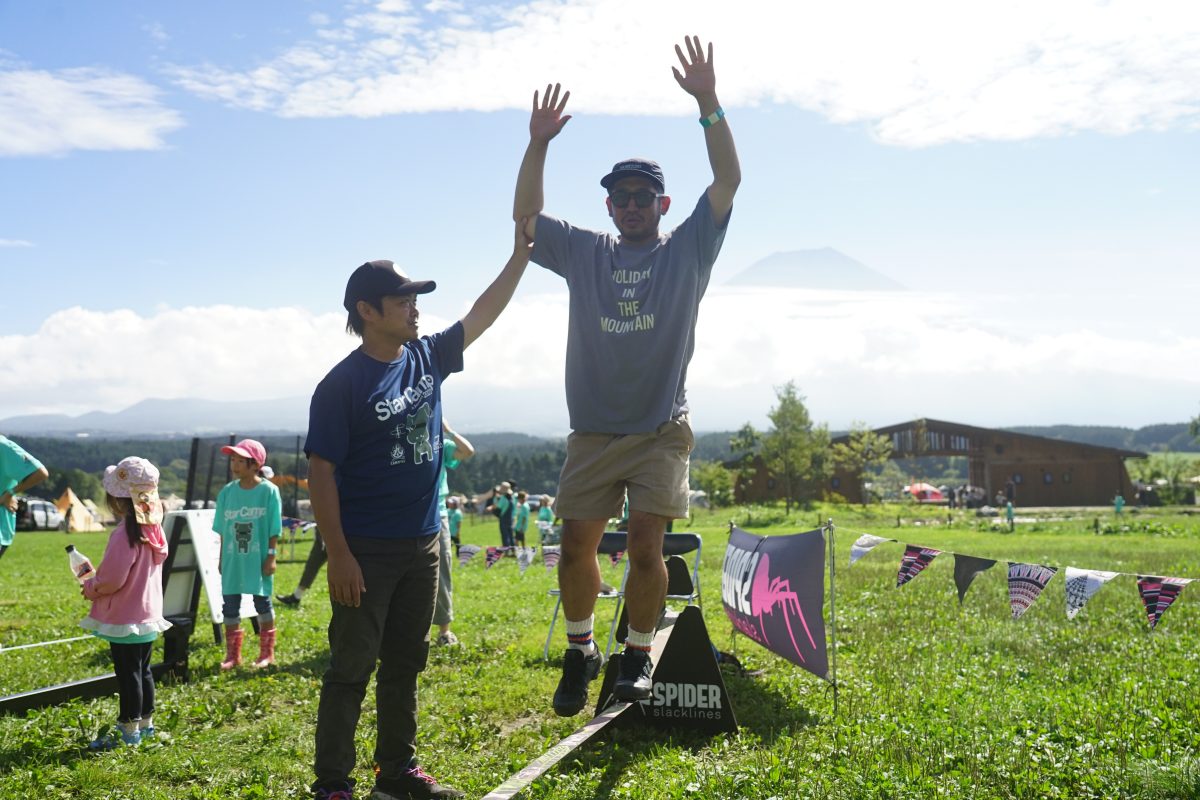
(698, 76)
(547, 118)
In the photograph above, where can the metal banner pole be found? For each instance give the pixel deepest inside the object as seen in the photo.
(832, 614)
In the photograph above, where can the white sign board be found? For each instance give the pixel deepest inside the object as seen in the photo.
(199, 546)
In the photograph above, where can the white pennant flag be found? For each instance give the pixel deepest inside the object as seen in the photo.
(864, 544)
(525, 558)
(1082, 584)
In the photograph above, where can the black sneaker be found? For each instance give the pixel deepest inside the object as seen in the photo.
(289, 600)
(578, 669)
(340, 791)
(413, 785)
(633, 679)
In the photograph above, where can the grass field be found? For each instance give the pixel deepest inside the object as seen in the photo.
(934, 700)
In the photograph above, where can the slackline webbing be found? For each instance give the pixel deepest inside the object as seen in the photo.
(44, 644)
(548, 759)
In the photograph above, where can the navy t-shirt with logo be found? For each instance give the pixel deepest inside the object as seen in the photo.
(380, 424)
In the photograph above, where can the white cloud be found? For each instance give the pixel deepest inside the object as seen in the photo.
(878, 358)
(15, 243)
(918, 73)
(157, 33)
(50, 113)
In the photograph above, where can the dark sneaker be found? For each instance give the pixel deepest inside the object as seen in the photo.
(633, 680)
(289, 600)
(413, 785)
(578, 669)
(341, 792)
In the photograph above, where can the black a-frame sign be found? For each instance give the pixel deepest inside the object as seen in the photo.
(689, 692)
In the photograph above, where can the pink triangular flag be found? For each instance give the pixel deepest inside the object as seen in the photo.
(550, 557)
(913, 561)
(1158, 594)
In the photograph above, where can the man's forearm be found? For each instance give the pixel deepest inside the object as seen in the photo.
(494, 298)
(529, 199)
(718, 139)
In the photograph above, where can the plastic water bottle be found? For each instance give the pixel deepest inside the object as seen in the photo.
(81, 565)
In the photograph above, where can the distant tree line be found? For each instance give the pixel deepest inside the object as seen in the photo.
(796, 453)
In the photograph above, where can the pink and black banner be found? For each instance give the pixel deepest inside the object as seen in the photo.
(773, 590)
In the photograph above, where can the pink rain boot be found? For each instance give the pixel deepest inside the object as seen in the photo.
(266, 648)
(233, 648)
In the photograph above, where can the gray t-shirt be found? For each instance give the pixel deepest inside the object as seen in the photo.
(633, 315)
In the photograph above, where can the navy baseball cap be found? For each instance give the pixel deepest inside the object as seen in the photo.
(635, 168)
(376, 279)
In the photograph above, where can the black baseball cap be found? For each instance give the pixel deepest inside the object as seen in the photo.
(376, 279)
(635, 168)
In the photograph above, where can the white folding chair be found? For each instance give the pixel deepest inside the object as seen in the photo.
(611, 542)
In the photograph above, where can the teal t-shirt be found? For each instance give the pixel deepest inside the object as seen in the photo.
(455, 522)
(246, 520)
(521, 517)
(15, 466)
(545, 515)
(448, 462)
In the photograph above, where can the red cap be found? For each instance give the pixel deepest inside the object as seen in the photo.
(247, 448)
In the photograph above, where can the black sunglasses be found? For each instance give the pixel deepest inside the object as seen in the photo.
(644, 198)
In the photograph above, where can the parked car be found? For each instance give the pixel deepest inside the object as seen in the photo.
(34, 514)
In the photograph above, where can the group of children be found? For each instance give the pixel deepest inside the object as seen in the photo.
(513, 513)
(126, 589)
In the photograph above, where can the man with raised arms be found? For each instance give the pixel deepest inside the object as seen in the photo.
(634, 302)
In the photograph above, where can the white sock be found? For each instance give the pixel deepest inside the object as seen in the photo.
(128, 728)
(639, 640)
(146, 722)
(579, 635)
(299, 593)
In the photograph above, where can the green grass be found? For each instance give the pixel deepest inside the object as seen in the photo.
(935, 701)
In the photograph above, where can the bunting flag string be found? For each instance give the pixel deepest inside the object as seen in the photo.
(550, 557)
(913, 561)
(1081, 585)
(1158, 594)
(494, 554)
(1025, 585)
(1027, 581)
(466, 552)
(294, 524)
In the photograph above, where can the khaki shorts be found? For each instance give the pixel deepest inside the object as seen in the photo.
(601, 467)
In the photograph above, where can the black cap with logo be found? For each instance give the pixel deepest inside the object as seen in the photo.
(376, 279)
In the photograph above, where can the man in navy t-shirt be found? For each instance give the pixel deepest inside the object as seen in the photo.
(375, 455)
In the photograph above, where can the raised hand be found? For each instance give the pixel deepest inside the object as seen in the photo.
(547, 118)
(698, 77)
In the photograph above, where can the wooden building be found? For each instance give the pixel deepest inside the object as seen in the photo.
(1042, 471)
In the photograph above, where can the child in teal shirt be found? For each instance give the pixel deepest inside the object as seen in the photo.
(249, 519)
(520, 518)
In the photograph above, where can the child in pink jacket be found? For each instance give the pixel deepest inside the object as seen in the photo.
(126, 595)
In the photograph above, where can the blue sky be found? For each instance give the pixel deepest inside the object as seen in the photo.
(186, 187)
